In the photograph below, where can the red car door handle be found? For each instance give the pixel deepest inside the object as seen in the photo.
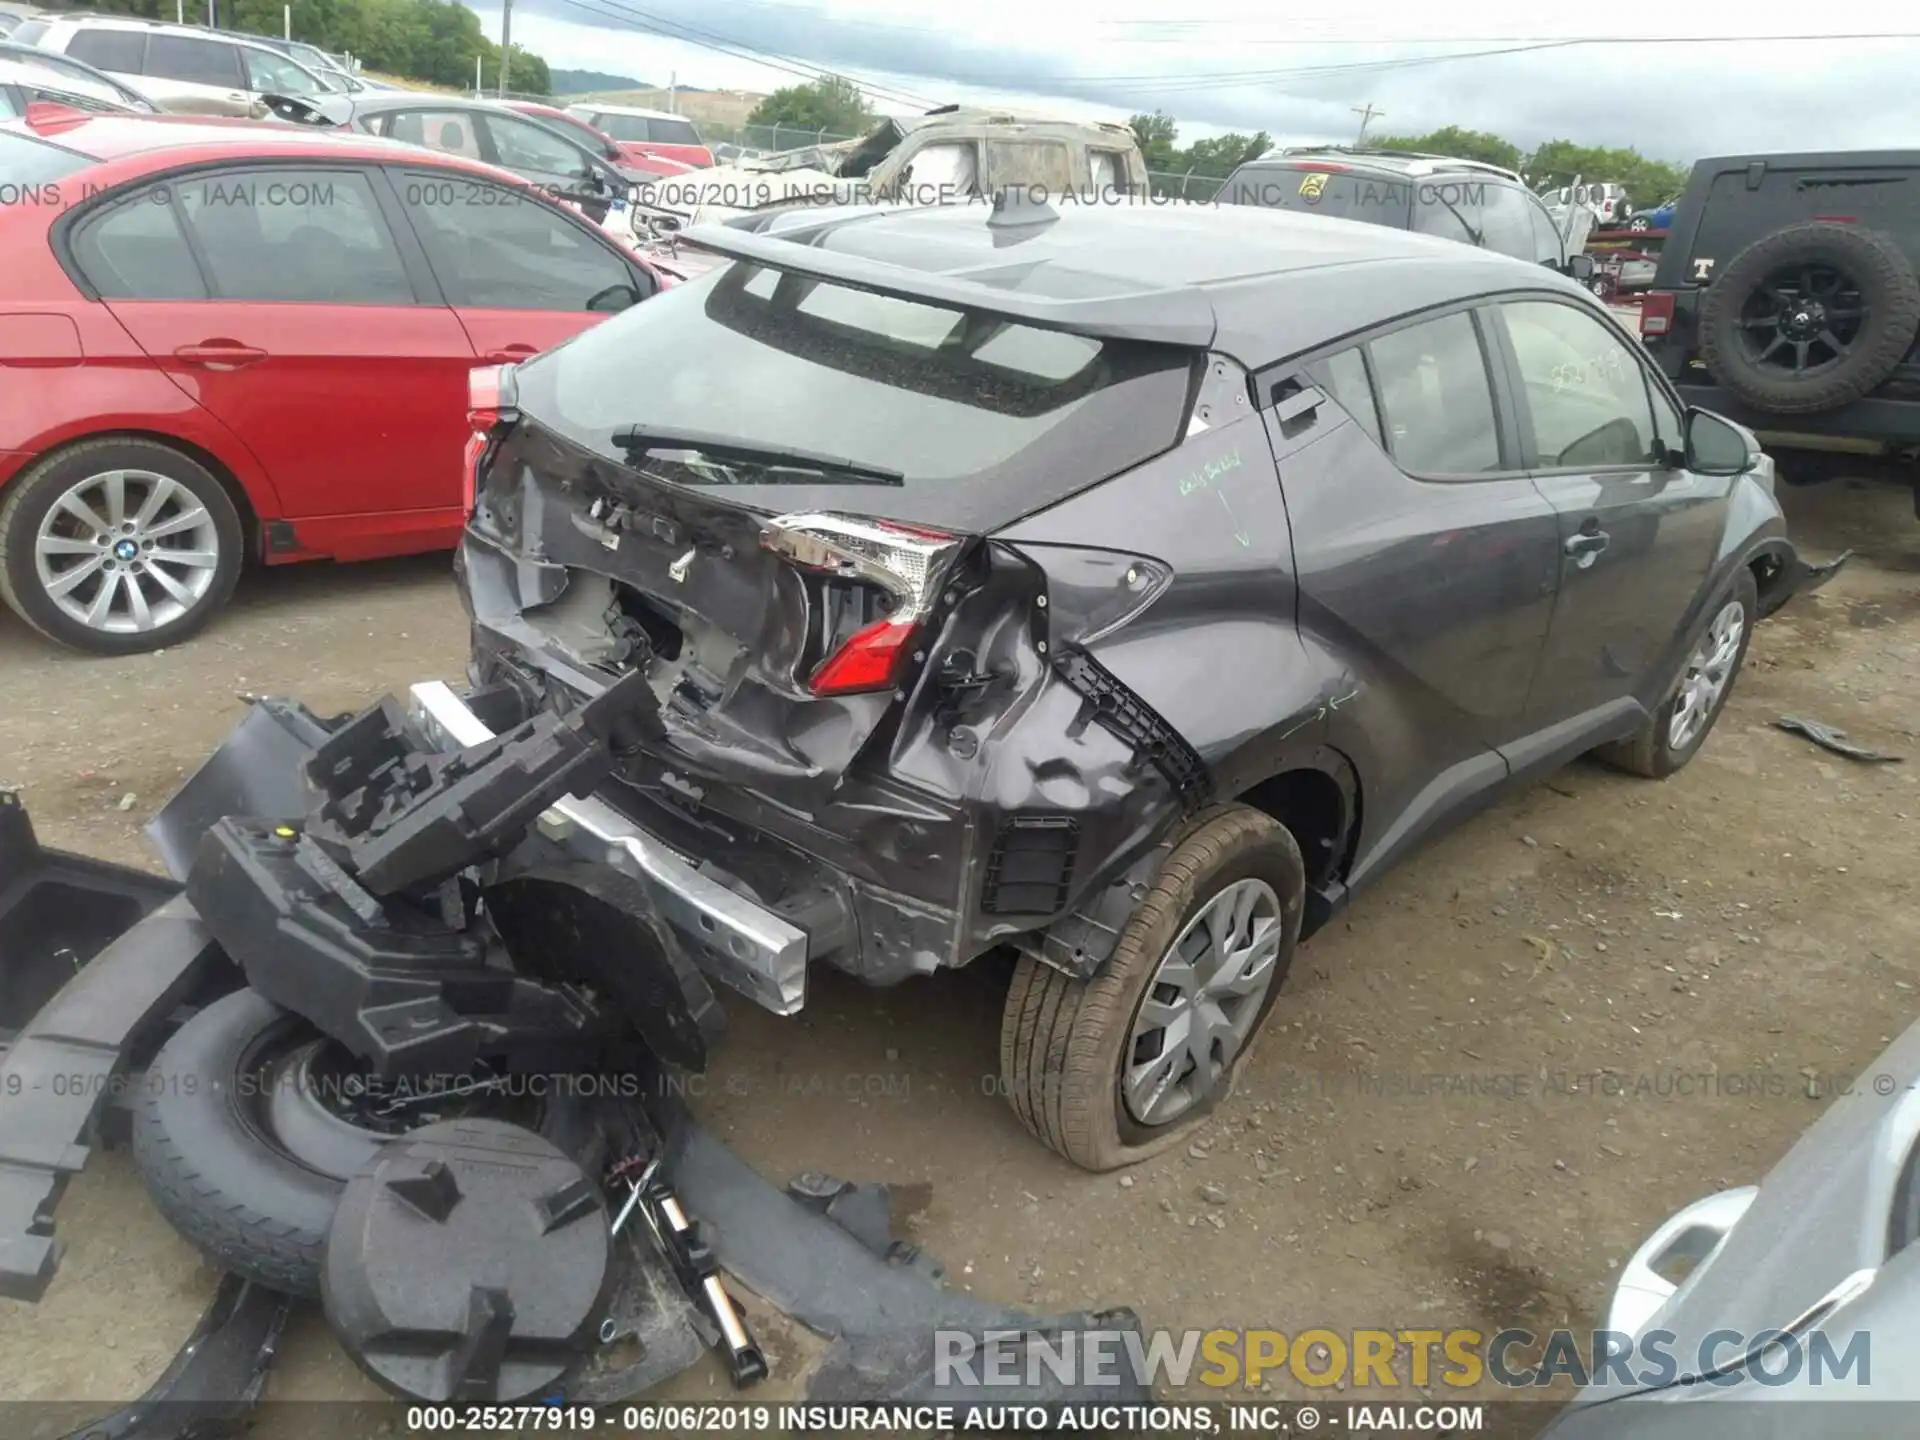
(220, 354)
(506, 355)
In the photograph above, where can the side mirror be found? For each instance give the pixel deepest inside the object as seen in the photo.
(614, 299)
(1580, 267)
(1716, 446)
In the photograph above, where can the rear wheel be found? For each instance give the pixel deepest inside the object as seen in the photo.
(1111, 1070)
(117, 546)
(1810, 318)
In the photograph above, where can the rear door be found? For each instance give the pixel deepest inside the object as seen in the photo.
(1638, 533)
(521, 274)
(301, 324)
(1426, 554)
(191, 74)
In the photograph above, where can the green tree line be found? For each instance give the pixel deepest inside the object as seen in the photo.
(1556, 162)
(435, 41)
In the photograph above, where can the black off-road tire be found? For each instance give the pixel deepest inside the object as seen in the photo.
(1889, 294)
(247, 1205)
(27, 498)
(1061, 1039)
(1648, 752)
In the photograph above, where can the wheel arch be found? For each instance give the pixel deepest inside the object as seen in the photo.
(215, 465)
(1316, 795)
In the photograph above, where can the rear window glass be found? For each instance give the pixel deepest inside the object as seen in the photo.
(985, 419)
(1376, 199)
(28, 32)
(1735, 216)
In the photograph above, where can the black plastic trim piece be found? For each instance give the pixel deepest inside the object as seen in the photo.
(1125, 714)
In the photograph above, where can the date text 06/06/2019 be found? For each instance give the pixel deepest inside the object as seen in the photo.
(854, 1419)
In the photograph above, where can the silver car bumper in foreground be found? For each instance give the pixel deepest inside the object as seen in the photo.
(736, 941)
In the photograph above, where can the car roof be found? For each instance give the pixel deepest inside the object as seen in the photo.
(428, 100)
(1394, 162)
(206, 137)
(645, 114)
(168, 27)
(1258, 284)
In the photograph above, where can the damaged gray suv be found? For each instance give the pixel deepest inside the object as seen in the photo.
(1123, 587)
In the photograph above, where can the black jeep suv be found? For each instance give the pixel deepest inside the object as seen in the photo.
(1786, 297)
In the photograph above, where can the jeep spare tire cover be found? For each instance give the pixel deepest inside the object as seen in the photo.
(1889, 312)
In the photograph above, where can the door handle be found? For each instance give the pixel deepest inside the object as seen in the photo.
(1587, 544)
(219, 354)
(507, 354)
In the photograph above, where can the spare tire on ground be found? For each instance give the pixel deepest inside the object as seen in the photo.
(250, 1124)
(1810, 318)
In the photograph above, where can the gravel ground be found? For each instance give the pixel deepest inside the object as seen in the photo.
(1476, 1094)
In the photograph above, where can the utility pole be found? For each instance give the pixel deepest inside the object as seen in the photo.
(506, 42)
(1367, 116)
(673, 92)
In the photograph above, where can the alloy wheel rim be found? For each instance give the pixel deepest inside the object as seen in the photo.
(1199, 1009)
(124, 552)
(1709, 671)
(1803, 319)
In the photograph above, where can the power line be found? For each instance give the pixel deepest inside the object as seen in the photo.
(644, 22)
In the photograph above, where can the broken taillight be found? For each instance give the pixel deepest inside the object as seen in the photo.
(490, 398)
(1656, 312)
(906, 563)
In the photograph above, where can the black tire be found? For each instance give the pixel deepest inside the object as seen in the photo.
(220, 1178)
(1889, 297)
(1650, 752)
(27, 501)
(1062, 1039)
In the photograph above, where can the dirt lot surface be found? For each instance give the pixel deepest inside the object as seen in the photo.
(1477, 1093)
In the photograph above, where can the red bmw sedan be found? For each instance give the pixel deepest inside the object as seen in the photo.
(229, 341)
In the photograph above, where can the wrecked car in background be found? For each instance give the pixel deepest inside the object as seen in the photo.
(1131, 618)
(945, 155)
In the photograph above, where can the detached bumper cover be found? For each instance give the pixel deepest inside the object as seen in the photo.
(1799, 576)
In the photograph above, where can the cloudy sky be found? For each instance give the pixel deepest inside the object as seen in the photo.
(1215, 65)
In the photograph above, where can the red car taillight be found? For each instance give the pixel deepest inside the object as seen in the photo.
(905, 562)
(1656, 312)
(489, 401)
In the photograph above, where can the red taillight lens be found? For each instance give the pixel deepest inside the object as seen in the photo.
(870, 660)
(1656, 312)
(484, 388)
(904, 562)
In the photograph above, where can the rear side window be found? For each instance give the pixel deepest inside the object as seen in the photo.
(1506, 221)
(1548, 247)
(1344, 377)
(1436, 398)
(134, 250)
(1046, 163)
(110, 49)
(1452, 209)
(984, 418)
(1378, 200)
(194, 61)
(451, 131)
(500, 249)
(299, 235)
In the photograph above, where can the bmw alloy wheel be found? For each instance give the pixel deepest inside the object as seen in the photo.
(126, 551)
